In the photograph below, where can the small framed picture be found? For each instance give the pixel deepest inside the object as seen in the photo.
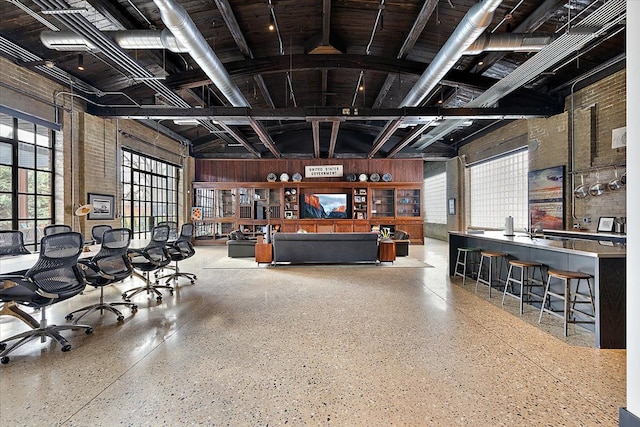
(288, 215)
(363, 191)
(103, 206)
(356, 199)
(605, 223)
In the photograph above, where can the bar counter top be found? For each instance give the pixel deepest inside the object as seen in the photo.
(605, 260)
(592, 248)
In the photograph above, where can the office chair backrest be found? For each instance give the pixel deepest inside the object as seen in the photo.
(184, 241)
(56, 270)
(156, 247)
(12, 243)
(98, 230)
(173, 228)
(56, 228)
(112, 257)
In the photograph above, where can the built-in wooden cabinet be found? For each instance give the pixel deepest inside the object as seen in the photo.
(250, 207)
(383, 203)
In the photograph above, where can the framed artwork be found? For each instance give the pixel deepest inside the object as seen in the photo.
(102, 204)
(546, 198)
(196, 213)
(605, 223)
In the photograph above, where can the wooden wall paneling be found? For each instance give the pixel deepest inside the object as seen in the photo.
(406, 170)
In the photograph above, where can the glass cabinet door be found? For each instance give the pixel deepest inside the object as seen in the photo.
(225, 204)
(382, 203)
(408, 203)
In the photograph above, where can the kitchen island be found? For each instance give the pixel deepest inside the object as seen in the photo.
(605, 260)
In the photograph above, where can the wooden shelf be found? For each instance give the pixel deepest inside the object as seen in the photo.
(228, 206)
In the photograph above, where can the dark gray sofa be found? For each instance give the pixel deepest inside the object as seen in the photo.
(327, 248)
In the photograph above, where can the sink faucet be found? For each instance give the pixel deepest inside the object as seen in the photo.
(532, 233)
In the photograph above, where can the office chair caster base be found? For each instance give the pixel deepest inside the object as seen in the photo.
(120, 318)
(5, 360)
(66, 348)
(68, 316)
(3, 346)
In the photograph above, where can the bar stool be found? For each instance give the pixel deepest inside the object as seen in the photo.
(466, 256)
(569, 310)
(526, 279)
(499, 258)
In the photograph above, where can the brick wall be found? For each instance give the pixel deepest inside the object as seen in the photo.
(87, 156)
(598, 109)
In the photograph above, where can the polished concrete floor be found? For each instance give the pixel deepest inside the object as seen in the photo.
(342, 345)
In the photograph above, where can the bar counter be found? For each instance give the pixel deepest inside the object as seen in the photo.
(604, 259)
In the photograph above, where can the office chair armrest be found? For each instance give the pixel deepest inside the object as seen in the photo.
(89, 264)
(136, 252)
(10, 280)
(11, 277)
(23, 281)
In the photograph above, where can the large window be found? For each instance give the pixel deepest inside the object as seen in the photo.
(26, 177)
(498, 188)
(150, 192)
(435, 195)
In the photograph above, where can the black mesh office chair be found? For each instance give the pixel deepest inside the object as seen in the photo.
(97, 231)
(179, 250)
(111, 264)
(12, 243)
(53, 278)
(152, 257)
(56, 228)
(173, 228)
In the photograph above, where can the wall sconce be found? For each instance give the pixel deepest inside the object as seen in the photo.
(272, 25)
(80, 62)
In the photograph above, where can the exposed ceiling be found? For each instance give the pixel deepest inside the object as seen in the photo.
(341, 78)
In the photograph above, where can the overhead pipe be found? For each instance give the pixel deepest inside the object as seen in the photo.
(472, 25)
(468, 30)
(127, 39)
(183, 28)
(508, 42)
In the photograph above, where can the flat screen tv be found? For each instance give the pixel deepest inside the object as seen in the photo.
(325, 206)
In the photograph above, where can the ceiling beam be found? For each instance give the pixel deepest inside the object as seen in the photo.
(315, 128)
(241, 115)
(265, 137)
(334, 138)
(301, 62)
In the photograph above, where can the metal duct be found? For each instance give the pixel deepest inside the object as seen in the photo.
(472, 25)
(128, 39)
(182, 27)
(508, 42)
(607, 16)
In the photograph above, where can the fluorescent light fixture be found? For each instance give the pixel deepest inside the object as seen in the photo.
(186, 121)
(68, 11)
